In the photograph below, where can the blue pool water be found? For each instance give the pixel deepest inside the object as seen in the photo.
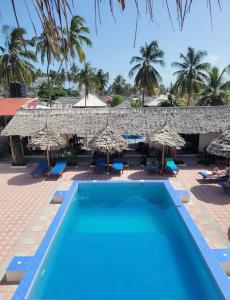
(123, 241)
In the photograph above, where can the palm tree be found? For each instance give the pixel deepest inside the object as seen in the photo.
(102, 80)
(87, 78)
(47, 47)
(146, 73)
(76, 37)
(15, 60)
(216, 90)
(191, 72)
(118, 85)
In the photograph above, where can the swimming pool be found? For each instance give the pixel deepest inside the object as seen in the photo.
(125, 240)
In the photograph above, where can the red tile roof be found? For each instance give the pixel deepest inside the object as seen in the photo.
(9, 106)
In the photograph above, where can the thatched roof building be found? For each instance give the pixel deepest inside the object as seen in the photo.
(141, 121)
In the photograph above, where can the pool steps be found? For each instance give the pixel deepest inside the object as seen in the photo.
(223, 257)
(58, 197)
(17, 268)
(183, 195)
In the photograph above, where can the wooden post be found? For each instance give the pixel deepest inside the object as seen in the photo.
(12, 149)
(229, 172)
(48, 155)
(108, 162)
(163, 154)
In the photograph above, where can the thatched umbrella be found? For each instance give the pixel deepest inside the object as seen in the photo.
(46, 139)
(221, 146)
(166, 137)
(108, 141)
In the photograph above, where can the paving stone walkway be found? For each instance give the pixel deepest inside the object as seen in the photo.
(25, 212)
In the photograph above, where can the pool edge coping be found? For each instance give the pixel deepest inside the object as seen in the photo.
(26, 283)
(218, 275)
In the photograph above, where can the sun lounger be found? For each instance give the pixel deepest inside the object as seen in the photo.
(170, 165)
(152, 165)
(100, 165)
(58, 169)
(208, 175)
(41, 168)
(225, 185)
(118, 165)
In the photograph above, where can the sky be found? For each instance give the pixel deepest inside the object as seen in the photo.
(113, 43)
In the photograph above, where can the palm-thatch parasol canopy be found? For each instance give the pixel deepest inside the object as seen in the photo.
(46, 138)
(166, 137)
(108, 142)
(221, 145)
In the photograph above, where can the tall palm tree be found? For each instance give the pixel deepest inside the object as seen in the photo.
(102, 80)
(216, 90)
(191, 72)
(146, 73)
(87, 78)
(72, 74)
(47, 47)
(16, 58)
(77, 37)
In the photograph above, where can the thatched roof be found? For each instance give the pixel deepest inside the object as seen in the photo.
(90, 101)
(108, 141)
(221, 145)
(141, 121)
(46, 138)
(166, 137)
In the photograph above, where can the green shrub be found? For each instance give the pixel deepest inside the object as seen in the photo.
(72, 93)
(116, 100)
(136, 103)
(56, 93)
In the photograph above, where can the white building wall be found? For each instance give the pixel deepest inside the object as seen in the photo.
(205, 139)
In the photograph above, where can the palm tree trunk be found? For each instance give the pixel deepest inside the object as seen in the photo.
(86, 93)
(55, 80)
(143, 96)
(189, 98)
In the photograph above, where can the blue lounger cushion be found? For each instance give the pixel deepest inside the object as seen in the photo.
(117, 164)
(41, 167)
(203, 174)
(170, 164)
(225, 185)
(58, 168)
(101, 161)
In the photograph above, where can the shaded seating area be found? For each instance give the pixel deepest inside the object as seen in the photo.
(118, 165)
(40, 168)
(58, 169)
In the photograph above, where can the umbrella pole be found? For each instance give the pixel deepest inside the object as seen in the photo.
(48, 156)
(163, 154)
(108, 162)
(229, 172)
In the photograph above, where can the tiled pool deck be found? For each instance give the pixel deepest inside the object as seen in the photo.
(25, 212)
